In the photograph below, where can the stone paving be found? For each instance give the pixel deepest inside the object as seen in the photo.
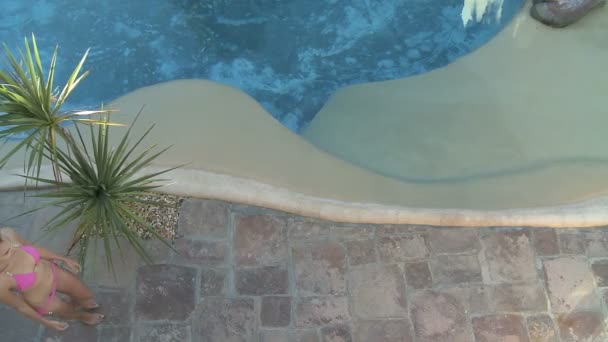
(250, 274)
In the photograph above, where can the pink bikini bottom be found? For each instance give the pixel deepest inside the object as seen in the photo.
(44, 309)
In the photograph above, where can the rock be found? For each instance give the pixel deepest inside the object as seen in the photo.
(561, 13)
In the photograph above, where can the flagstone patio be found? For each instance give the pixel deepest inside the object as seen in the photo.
(250, 274)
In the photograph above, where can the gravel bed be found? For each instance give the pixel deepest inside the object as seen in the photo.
(163, 218)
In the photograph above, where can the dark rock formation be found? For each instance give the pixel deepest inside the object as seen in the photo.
(561, 13)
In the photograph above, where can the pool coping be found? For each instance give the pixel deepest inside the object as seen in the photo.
(210, 185)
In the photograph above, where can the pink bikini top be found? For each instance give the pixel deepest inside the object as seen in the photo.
(26, 280)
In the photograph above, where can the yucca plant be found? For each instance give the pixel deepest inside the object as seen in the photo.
(31, 105)
(103, 185)
(94, 183)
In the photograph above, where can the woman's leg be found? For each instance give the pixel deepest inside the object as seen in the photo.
(67, 311)
(69, 284)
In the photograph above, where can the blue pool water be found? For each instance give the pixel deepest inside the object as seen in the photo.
(290, 55)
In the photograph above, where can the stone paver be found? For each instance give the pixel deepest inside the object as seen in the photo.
(361, 252)
(377, 291)
(600, 270)
(582, 326)
(246, 274)
(500, 328)
(316, 311)
(305, 336)
(338, 333)
(320, 268)
(402, 248)
(570, 285)
(597, 243)
(456, 269)
(351, 231)
(162, 332)
(276, 311)
(400, 229)
(475, 298)
(510, 256)
(203, 218)
(418, 275)
(225, 319)
(384, 331)
(604, 295)
(454, 240)
(303, 228)
(271, 280)
(572, 243)
(114, 304)
(274, 335)
(510, 298)
(115, 334)
(201, 252)
(165, 292)
(75, 333)
(439, 317)
(260, 240)
(545, 242)
(541, 328)
(212, 281)
(125, 260)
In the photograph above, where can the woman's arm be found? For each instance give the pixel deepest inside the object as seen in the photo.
(16, 302)
(73, 265)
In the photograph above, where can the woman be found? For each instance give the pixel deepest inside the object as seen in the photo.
(30, 280)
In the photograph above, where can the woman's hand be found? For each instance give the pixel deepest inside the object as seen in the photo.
(59, 326)
(72, 265)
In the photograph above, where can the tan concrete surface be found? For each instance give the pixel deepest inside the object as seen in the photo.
(527, 111)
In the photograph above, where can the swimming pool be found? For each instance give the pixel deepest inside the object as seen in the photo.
(511, 133)
(291, 56)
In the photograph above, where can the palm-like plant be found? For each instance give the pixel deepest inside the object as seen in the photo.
(32, 106)
(103, 185)
(95, 185)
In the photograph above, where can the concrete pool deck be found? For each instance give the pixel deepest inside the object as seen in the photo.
(249, 274)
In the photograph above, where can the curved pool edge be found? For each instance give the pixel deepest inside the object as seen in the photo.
(209, 185)
(201, 183)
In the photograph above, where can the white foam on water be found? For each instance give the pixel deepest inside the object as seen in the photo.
(476, 9)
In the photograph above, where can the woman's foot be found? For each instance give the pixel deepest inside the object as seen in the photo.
(59, 326)
(92, 318)
(89, 304)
